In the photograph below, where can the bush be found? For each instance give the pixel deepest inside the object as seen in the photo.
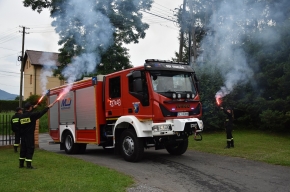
(6, 106)
(273, 120)
(43, 124)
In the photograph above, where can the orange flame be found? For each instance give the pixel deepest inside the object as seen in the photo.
(60, 95)
(40, 99)
(218, 100)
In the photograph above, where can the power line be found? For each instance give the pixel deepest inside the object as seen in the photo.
(8, 49)
(160, 16)
(8, 55)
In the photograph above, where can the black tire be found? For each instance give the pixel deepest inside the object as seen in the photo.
(177, 148)
(70, 146)
(132, 147)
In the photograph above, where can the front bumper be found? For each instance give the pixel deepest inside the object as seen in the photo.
(189, 125)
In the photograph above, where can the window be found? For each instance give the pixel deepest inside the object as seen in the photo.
(115, 87)
(30, 93)
(30, 79)
(138, 88)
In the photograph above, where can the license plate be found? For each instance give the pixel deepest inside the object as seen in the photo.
(182, 114)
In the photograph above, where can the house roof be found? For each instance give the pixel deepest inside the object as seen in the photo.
(40, 57)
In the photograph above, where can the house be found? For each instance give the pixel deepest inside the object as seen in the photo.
(36, 64)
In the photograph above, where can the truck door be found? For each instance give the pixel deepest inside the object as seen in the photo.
(113, 95)
(137, 100)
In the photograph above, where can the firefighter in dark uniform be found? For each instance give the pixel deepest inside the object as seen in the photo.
(229, 126)
(15, 127)
(27, 127)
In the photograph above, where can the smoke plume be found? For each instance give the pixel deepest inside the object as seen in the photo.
(90, 30)
(49, 65)
(229, 24)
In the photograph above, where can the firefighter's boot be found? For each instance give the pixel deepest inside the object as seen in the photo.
(29, 166)
(15, 149)
(228, 145)
(232, 143)
(21, 163)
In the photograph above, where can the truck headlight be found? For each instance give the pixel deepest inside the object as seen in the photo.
(174, 95)
(164, 127)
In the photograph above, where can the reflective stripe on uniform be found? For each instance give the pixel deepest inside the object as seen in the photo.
(28, 160)
(20, 158)
(229, 139)
(16, 145)
(227, 119)
(15, 120)
(25, 120)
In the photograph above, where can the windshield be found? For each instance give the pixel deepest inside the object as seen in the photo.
(172, 81)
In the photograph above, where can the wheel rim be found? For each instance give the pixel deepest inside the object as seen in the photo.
(68, 142)
(128, 146)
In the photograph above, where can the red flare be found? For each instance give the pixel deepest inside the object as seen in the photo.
(60, 95)
(40, 99)
(218, 100)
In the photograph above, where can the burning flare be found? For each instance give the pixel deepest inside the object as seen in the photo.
(42, 97)
(218, 100)
(60, 96)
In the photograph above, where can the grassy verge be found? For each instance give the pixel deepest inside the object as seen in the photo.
(253, 145)
(58, 173)
(43, 124)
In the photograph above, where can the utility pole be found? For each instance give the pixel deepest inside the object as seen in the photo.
(182, 32)
(22, 64)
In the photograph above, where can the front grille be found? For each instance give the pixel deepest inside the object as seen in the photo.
(167, 113)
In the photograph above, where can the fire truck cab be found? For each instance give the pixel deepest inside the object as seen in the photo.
(155, 105)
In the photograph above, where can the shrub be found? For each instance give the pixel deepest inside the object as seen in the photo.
(273, 120)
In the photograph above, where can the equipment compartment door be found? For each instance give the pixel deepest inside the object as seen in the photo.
(53, 119)
(86, 114)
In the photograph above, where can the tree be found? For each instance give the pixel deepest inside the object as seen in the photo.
(94, 28)
(261, 101)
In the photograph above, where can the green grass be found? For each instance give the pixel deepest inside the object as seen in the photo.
(253, 145)
(57, 172)
(43, 124)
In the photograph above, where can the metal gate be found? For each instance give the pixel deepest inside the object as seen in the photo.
(6, 134)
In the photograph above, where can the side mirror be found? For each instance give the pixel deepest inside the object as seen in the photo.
(136, 74)
(198, 87)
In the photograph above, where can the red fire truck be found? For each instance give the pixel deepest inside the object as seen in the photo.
(155, 105)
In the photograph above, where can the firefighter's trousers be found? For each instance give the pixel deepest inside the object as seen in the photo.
(17, 139)
(27, 146)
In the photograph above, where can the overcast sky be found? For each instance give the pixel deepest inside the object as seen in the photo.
(161, 39)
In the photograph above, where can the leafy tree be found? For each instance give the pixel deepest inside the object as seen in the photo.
(77, 37)
(263, 102)
(33, 100)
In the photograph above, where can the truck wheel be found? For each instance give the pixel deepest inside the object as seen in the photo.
(69, 145)
(132, 147)
(177, 148)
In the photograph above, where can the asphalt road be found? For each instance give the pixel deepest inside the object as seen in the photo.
(192, 172)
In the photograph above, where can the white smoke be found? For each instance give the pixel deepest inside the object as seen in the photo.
(94, 33)
(49, 65)
(230, 23)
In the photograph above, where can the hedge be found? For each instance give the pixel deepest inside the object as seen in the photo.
(8, 105)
